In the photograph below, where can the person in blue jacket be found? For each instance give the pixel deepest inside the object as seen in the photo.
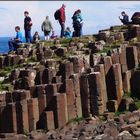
(14, 43)
(67, 33)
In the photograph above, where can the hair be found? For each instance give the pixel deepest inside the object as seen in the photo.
(123, 12)
(17, 27)
(26, 12)
(79, 11)
(68, 28)
(63, 5)
(36, 32)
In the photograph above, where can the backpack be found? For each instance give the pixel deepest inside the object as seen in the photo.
(136, 18)
(57, 14)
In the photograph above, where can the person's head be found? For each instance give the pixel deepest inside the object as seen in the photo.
(68, 28)
(63, 6)
(122, 13)
(26, 13)
(78, 11)
(47, 17)
(17, 28)
(53, 32)
(36, 33)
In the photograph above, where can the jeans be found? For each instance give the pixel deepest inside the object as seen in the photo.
(62, 24)
(13, 45)
(28, 36)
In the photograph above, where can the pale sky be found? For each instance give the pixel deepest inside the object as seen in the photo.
(97, 15)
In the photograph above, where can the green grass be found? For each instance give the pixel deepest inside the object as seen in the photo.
(32, 59)
(102, 118)
(3, 86)
(77, 119)
(65, 40)
(137, 103)
(6, 70)
(127, 95)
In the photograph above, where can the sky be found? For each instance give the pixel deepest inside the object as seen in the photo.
(97, 15)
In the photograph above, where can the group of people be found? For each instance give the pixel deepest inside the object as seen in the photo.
(47, 28)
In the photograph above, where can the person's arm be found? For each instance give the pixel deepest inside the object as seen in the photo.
(30, 22)
(42, 26)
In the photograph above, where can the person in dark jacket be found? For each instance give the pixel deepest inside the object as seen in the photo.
(125, 19)
(77, 23)
(27, 27)
(62, 19)
(36, 37)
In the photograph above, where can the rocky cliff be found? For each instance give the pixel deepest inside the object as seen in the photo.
(91, 78)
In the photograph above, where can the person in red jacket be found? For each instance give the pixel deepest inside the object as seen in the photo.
(62, 19)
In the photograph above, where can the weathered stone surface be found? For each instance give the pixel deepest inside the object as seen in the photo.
(126, 81)
(19, 95)
(118, 82)
(134, 81)
(94, 93)
(49, 120)
(85, 95)
(103, 35)
(62, 112)
(131, 54)
(102, 87)
(112, 105)
(2, 61)
(61, 51)
(8, 119)
(42, 103)
(66, 70)
(22, 116)
(33, 113)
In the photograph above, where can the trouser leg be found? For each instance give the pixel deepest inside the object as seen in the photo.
(10, 43)
(28, 36)
(62, 29)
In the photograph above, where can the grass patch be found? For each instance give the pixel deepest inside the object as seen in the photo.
(7, 70)
(137, 103)
(127, 95)
(3, 86)
(103, 118)
(32, 59)
(77, 119)
(65, 40)
(118, 113)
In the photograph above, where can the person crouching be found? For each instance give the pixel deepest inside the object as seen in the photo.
(16, 42)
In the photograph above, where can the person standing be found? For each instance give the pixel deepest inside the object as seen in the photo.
(47, 28)
(62, 19)
(125, 19)
(77, 23)
(27, 27)
(14, 43)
